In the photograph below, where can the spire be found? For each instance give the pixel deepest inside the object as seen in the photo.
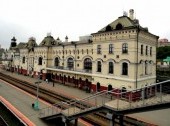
(13, 42)
(66, 39)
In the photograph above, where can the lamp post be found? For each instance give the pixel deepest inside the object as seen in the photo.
(36, 104)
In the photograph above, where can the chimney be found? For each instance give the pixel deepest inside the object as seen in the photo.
(131, 14)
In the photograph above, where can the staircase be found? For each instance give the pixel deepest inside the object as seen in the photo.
(113, 100)
(77, 107)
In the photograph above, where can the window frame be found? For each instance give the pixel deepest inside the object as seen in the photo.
(125, 68)
(40, 60)
(111, 68)
(87, 64)
(99, 66)
(111, 48)
(70, 63)
(99, 49)
(124, 48)
(141, 49)
(56, 62)
(146, 51)
(23, 59)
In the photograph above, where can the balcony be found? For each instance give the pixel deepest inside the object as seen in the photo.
(70, 70)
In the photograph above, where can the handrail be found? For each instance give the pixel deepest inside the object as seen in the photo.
(119, 100)
(72, 101)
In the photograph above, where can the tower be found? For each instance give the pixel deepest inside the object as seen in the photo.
(13, 42)
(131, 14)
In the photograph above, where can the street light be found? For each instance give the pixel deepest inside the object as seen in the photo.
(36, 104)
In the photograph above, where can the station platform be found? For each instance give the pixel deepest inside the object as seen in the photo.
(21, 103)
(158, 117)
(61, 88)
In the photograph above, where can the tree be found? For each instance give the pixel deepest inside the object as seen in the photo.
(163, 52)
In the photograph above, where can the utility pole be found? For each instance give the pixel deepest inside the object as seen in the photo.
(36, 104)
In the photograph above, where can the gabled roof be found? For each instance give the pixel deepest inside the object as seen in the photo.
(122, 22)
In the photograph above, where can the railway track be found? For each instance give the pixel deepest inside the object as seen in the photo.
(96, 119)
(48, 95)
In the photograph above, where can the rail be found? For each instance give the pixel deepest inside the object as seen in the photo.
(147, 96)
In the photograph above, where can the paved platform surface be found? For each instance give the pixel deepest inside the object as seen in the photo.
(71, 91)
(159, 117)
(22, 102)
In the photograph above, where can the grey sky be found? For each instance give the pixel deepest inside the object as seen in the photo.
(74, 18)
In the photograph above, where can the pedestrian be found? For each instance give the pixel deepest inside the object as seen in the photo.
(53, 83)
(46, 80)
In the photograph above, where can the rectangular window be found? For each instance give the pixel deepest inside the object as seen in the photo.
(110, 67)
(125, 48)
(141, 49)
(110, 48)
(146, 50)
(99, 49)
(99, 66)
(150, 51)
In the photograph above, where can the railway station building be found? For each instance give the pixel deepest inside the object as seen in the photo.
(121, 55)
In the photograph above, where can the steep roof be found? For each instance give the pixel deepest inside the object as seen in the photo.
(21, 45)
(48, 41)
(31, 43)
(122, 22)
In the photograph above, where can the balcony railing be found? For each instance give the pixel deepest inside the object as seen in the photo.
(71, 69)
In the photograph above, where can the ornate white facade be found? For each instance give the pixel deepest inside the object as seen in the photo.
(121, 55)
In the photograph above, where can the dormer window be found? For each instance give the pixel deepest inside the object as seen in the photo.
(108, 28)
(43, 43)
(53, 43)
(119, 26)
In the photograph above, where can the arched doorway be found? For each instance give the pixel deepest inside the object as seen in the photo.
(109, 88)
(98, 86)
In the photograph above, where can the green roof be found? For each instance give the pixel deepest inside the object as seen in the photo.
(124, 21)
(167, 59)
(48, 41)
(31, 43)
(21, 45)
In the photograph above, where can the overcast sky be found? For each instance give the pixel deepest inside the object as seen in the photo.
(74, 18)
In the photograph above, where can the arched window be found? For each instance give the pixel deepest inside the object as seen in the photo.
(111, 67)
(99, 66)
(124, 48)
(56, 62)
(108, 28)
(40, 61)
(23, 59)
(87, 64)
(119, 26)
(70, 63)
(124, 68)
